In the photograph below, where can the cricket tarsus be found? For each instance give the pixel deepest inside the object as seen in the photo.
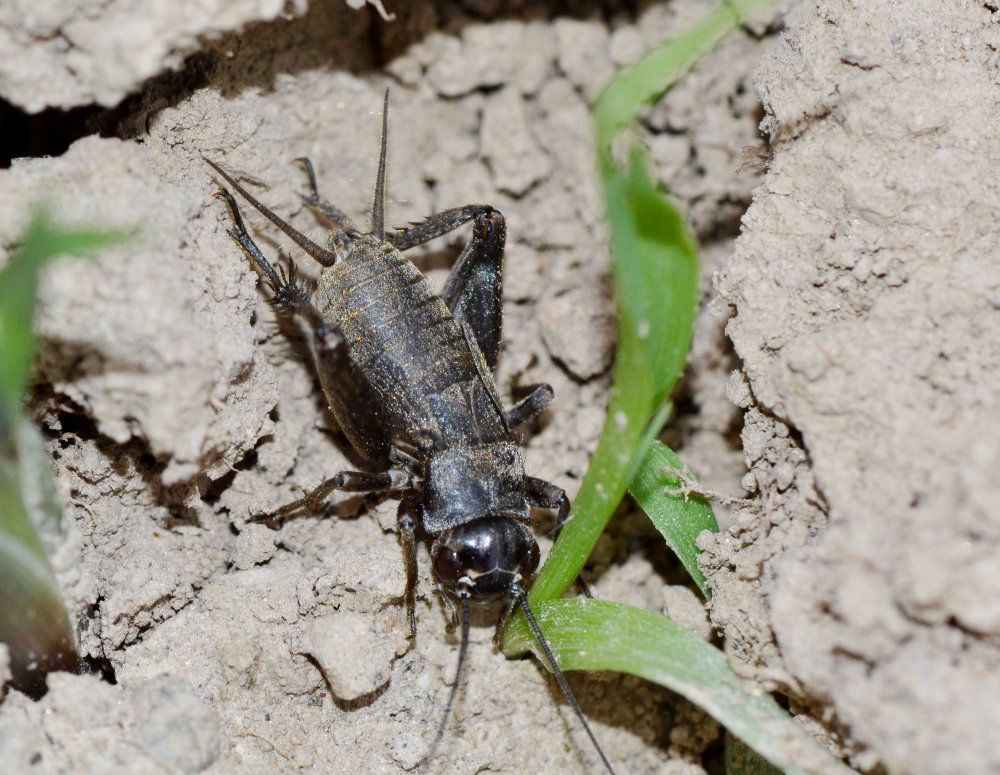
(320, 205)
(290, 296)
(522, 600)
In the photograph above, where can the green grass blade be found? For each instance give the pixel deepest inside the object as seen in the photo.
(33, 621)
(18, 287)
(656, 274)
(656, 277)
(679, 517)
(657, 71)
(598, 635)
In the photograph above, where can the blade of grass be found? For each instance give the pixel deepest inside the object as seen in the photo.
(18, 290)
(655, 273)
(598, 635)
(33, 620)
(657, 289)
(679, 517)
(657, 71)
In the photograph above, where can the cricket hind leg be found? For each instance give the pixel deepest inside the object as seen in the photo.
(322, 255)
(474, 289)
(290, 297)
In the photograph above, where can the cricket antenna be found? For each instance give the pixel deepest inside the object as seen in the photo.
(463, 599)
(378, 207)
(522, 599)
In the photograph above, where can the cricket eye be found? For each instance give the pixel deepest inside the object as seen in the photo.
(530, 561)
(448, 565)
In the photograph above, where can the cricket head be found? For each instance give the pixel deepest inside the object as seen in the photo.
(486, 559)
(475, 505)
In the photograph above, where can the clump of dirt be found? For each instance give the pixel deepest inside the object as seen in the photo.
(66, 54)
(867, 302)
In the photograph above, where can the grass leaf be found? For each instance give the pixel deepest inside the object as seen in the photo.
(33, 621)
(18, 291)
(598, 635)
(656, 273)
(679, 517)
(656, 279)
(622, 102)
(656, 276)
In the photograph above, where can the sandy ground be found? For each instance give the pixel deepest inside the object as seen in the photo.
(859, 295)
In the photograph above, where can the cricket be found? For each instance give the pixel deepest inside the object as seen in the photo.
(409, 377)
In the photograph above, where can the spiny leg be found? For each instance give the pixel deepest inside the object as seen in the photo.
(436, 226)
(322, 255)
(474, 289)
(406, 519)
(345, 481)
(290, 297)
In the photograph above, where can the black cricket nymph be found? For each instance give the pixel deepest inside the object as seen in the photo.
(408, 375)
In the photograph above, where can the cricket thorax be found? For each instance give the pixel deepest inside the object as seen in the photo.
(463, 484)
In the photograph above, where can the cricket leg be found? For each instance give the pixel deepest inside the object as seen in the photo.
(530, 406)
(436, 226)
(474, 289)
(319, 204)
(406, 518)
(321, 254)
(345, 481)
(549, 496)
(508, 609)
(289, 296)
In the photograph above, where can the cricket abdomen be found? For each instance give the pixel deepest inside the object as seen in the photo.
(421, 374)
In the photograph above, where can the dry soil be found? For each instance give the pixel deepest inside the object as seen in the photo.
(838, 162)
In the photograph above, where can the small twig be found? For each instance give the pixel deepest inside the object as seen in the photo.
(690, 486)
